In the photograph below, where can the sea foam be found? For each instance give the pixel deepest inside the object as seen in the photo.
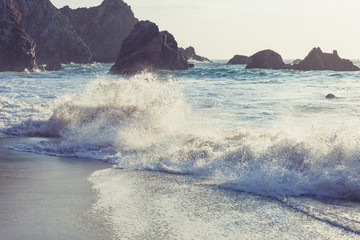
(144, 122)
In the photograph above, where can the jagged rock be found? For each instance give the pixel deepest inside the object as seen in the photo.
(103, 28)
(239, 59)
(191, 54)
(17, 50)
(267, 59)
(148, 49)
(52, 33)
(330, 96)
(53, 65)
(317, 60)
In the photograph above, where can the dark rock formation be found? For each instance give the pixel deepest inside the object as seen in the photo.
(103, 28)
(267, 59)
(330, 96)
(239, 59)
(53, 65)
(17, 50)
(296, 61)
(52, 33)
(191, 54)
(148, 49)
(317, 60)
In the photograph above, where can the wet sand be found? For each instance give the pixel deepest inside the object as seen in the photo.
(44, 197)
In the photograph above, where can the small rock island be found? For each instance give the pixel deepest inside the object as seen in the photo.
(315, 60)
(190, 53)
(266, 59)
(239, 60)
(318, 60)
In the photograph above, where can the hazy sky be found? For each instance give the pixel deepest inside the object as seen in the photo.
(220, 29)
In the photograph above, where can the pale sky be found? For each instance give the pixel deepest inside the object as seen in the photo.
(219, 29)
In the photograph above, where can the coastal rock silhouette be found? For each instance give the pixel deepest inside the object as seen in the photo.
(296, 61)
(239, 59)
(190, 53)
(52, 33)
(267, 59)
(17, 49)
(103, 28)
(148, 49)
(330, 96)
(318, 60)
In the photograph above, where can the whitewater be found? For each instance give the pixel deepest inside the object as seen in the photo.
(214, 152)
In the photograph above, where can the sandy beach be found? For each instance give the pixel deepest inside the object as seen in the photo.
(44, 197)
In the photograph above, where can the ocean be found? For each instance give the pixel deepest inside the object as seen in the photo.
(213, 152)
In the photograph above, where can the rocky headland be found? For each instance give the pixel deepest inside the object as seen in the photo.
(103, 28)
(190, 53)
(17, 49)
(239, 60)
(100, 33)
(61, 36)
(146, 48)
(52, 32)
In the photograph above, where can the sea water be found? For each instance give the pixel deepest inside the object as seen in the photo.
(213, 152)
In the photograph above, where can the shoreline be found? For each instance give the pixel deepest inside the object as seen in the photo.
(46, 197)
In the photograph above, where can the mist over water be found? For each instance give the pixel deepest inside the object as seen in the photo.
(267, 132)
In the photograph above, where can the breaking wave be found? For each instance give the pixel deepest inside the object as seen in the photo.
(144, 122)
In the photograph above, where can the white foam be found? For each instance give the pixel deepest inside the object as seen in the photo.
(144, 122)
(153, 205)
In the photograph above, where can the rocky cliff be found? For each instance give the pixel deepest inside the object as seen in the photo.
(318, 60)
(53, 34)
(148, 49)
(103, 28)
(17, 50)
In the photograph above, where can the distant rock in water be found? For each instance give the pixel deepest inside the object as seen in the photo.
(103, 28)
(267, 59)
(17, 49)
(52, 33)
(191, 54)
(53, 65)
(317, 60)
(296, 61)
(330, 96)
(239, 59)
(148, 49)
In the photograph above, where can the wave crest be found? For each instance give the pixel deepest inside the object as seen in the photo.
(143, 123)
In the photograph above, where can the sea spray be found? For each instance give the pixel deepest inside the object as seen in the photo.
(145, 122)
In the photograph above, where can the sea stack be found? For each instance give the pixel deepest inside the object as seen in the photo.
(318, 60)
(17, 49)
(239, 60)
(103, 28)
(190, 53)
(148, 49)
(267, 59)
(52, 33)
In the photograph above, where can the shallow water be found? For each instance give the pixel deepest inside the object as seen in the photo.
(264, 132)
